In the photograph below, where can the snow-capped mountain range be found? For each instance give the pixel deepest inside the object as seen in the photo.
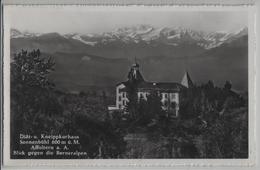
(164, 54)
(149, 35)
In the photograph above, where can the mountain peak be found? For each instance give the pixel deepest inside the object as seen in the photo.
(15, 33)
(243, 31)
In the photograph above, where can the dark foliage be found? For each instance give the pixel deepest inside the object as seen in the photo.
(37, 108)
(213, 123)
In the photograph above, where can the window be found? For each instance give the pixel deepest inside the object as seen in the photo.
(141, 95)
(173, 105)
(119, 98)
(166, 95)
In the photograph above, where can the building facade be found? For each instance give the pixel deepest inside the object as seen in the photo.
(169, 92)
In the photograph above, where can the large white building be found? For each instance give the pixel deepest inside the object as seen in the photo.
(169, 91)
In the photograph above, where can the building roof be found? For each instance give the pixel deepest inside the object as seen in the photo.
(165, 86)
(135, 78)
(134, 74)
(160, 85)
(186, 80)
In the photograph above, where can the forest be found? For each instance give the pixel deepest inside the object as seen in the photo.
(212, 121)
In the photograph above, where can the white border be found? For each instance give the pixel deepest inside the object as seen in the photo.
(131, 2)
(135, 162)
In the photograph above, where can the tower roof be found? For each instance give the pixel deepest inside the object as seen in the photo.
(186, 80)
(134, 74)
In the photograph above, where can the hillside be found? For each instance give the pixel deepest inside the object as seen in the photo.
(81, 66)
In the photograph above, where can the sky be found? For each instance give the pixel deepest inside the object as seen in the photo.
(97, 20)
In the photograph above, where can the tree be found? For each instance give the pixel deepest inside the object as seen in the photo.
(33, 101)
(154, 105)
(228, 85)
(210, 84)
(30, 69)
(132, 104)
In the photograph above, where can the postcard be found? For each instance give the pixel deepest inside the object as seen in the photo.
(128, 85)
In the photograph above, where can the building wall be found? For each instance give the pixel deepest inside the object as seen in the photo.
(170, 100)
(121, 97)
(143, 95)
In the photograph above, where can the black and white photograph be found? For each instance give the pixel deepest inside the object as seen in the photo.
(134, 83)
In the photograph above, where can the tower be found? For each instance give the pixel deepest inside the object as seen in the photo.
(134, 74)
(186, 80)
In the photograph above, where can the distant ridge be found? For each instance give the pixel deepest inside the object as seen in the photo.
(147, 34)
